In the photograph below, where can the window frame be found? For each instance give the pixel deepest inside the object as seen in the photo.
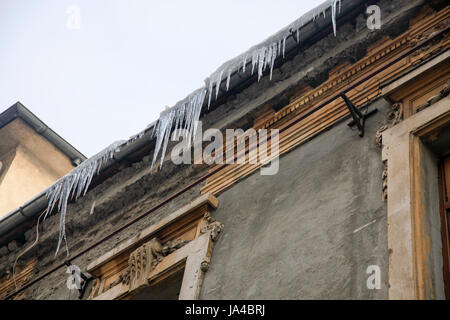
(194, 256)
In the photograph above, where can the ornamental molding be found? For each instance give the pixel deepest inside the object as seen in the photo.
(183, 240)
(383, 60)
(388, 49)
(393, 117)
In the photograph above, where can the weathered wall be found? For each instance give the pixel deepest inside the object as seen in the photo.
(295, 235)
(289, 235)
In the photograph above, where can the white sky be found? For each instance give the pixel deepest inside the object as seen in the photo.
(130, 58)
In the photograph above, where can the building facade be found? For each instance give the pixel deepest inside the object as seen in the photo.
(30, 162)
(357, 208)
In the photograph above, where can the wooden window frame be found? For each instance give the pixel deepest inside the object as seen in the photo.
(193, 255)
(444, 194)
(408, 241)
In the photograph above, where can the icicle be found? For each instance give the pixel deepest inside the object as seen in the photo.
(284, 45)
(178, 118)
(75, 184)
(333, 15)
(244, 63)
(298, 36)
(262, 55)
(254, 60)
(274, 56)
(210, 92)
(228, 78)
(187, 113)
(268, 56)
(218, 81)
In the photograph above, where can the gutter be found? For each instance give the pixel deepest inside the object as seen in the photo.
(34, 207)
(18, 110)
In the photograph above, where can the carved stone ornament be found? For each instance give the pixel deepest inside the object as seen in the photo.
(124, 278)
(210, 224)
(204, 266)
(445, 90)
(141, 262)
(384, 181)
(392, 118)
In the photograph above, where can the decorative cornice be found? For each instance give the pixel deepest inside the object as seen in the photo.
(388, 49)
(442, 94)
(23, 275)
(383, 61)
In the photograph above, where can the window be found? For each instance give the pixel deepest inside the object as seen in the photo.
(165, 261)
(445, 220)
(411, 152)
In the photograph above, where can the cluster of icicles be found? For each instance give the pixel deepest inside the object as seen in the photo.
(76, 184)
(182, 116)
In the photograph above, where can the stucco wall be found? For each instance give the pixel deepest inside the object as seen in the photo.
(32, 164)
(296, 235)
(25, 177)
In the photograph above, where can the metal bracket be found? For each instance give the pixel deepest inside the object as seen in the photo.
(359, 119)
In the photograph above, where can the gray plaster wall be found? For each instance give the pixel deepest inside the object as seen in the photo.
(300, 234)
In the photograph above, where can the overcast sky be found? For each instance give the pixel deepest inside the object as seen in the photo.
(112, 76)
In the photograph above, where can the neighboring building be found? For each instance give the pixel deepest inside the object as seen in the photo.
(356, 210)
(32, 157)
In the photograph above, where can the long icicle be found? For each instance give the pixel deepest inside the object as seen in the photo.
(187, 113)
(75, 184)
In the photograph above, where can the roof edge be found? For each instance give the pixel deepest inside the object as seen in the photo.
(18, 110)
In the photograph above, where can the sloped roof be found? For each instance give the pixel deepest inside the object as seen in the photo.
(18, 110)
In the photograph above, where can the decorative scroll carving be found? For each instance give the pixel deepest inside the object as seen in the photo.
(210, 224)
(414, 40)
(158, 251)
(172, 246)
(95, 289)
(442, 94)
(124, 278)
(393, 117)
(384, 181)
(142, 261)
(204, 266)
